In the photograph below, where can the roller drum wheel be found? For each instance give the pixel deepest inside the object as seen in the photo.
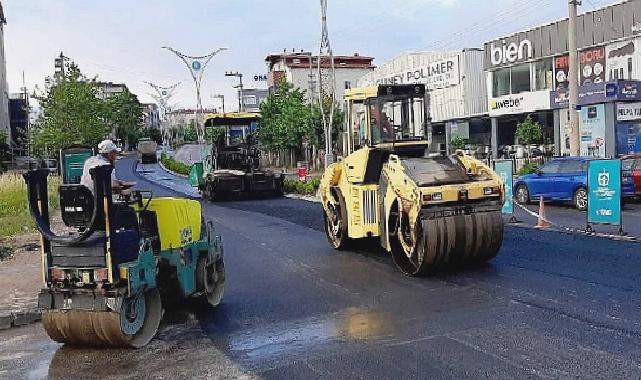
(133, 326)
(447, 242)
(210, 280)
(335, 219)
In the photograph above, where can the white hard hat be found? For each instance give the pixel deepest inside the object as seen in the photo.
(107, 146)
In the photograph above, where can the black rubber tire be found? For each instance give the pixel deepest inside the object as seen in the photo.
(340, 240)
(526, 199)
(580, 199)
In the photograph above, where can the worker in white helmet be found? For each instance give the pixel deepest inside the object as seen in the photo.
(107, 152)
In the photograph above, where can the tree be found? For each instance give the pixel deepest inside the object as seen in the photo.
(72, 114)
(125, 113)
(190, 133)
(529, 131)
(213, 134)
(153, 134)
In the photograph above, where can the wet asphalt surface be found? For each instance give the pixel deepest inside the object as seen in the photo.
(550, 305)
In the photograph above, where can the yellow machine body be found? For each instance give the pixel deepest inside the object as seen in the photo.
(383, 187)
(179, 221)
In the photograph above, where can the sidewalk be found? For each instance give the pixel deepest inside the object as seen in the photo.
(20, 282)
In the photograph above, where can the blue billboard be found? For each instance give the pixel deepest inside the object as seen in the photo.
(506, 171)
(604, 192)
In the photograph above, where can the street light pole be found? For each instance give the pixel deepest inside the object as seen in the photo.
(240, 88)
(196, 66)
(162, 96)
(573, 73)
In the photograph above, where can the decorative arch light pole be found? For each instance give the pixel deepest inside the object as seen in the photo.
(196, 66)
(162, 96)
(327, 84)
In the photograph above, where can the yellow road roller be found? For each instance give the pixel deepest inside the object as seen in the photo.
(121, 257)
(430, 211)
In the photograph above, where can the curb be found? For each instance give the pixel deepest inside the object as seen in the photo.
(308, 198)
(19, 318)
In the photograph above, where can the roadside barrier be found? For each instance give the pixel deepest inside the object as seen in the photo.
(560, 228)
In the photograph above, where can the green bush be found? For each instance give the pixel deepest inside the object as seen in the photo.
(174, 166)
(528, 168)
(304, 188)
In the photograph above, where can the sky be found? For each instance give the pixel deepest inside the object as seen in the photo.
(121, 40)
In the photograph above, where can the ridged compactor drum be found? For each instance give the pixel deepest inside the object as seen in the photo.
(429, 210)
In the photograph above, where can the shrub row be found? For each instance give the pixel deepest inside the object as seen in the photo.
(174, 166)
(304, 188)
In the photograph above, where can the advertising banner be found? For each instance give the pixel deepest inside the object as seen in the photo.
(623, 60)
(561, 68)
(623, 90)
(592, 129)
(592, 65)
(588, 94)
(519, 103)
(628, 136)
(436, 75)
(506, 171)
(628, 111)
(604, 192)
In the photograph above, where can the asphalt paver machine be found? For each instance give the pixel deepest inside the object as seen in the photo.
(429, 211)
(120, 258)
(233, 168)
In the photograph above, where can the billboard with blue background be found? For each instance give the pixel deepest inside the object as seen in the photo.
(506, 171)
(604, 192)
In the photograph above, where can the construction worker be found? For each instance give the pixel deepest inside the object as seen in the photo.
(107, 152)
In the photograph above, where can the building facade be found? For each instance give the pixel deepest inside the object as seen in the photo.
(19, 123)
(527, 75)
(301, 70)
(151, 115)
(253, 98)
(457, 94)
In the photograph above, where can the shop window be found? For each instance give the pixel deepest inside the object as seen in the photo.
(501, 82)
(520, 78)
(544, 74)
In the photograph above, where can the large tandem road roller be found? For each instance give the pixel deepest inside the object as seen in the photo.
(106, 278)
(430, 211)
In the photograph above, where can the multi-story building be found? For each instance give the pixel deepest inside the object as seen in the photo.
(527, 75)
(4, 88)
(300, 69)
(252, 99)
(105, 90)
(182, 118)
(151, 115)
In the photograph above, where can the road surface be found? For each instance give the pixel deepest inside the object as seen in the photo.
(549, 306)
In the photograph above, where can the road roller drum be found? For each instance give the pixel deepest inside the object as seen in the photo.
(106, 281)
(431, 211)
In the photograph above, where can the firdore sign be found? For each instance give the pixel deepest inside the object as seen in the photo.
(508, 53)
(436, 75)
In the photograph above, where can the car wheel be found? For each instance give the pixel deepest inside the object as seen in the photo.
(522, 194)
(581, 199)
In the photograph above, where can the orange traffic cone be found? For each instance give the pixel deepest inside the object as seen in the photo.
(542, 222)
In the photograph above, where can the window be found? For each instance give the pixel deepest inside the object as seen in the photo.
(571, 166)
(520, 78)
(551, 167)
(501, 82)
(544, 75)
(348, 85)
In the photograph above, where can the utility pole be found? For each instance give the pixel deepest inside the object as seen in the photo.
(196, 66)
(573, 73)
(327, 84)
(240, 88)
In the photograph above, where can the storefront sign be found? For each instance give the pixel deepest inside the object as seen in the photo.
(506, 171)
(623, 90)
(629, 111)
(511, 53)
(519, 103)
(592, 65)
(604, 192)
(588, 94)
(561, 68)
(440, 74)
(592, 129)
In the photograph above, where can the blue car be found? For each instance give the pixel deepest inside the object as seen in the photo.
(562, 179)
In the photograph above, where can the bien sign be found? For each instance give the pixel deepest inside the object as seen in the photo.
(510, 53)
